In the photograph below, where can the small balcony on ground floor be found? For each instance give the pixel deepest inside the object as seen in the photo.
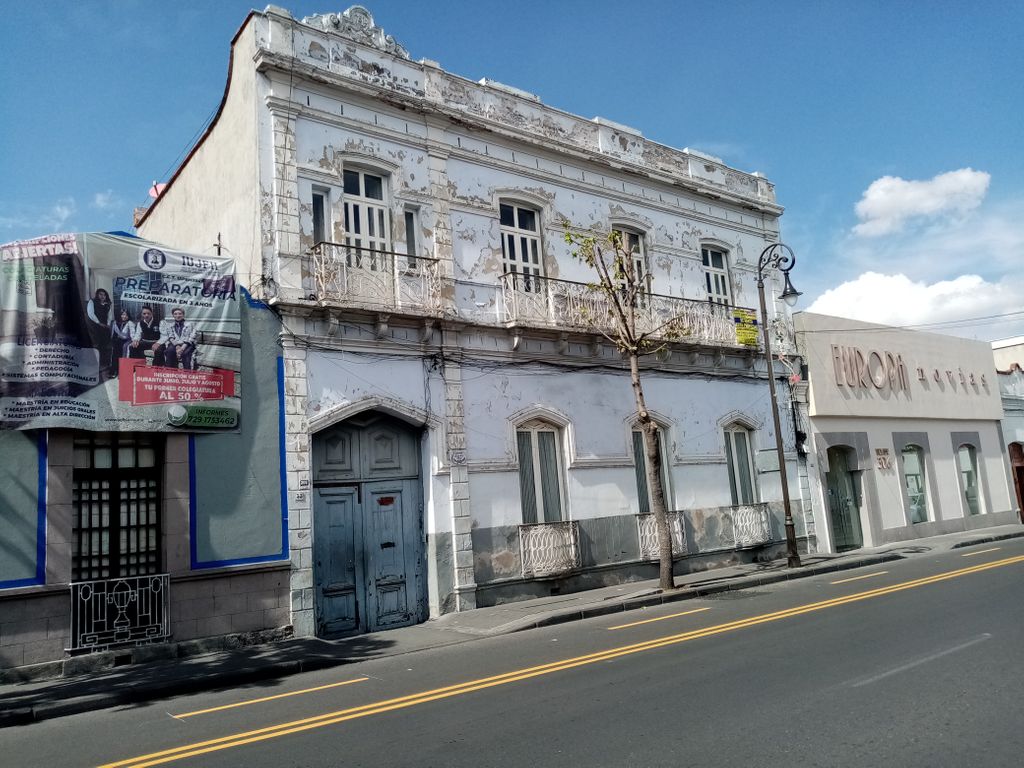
(544, 302)
(376, 280)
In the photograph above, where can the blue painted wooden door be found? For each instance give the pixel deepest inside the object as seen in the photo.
(368, 530)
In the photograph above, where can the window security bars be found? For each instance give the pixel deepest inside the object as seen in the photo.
(116, 506)
(549, 549)
(647, 534)
(552, 303)
(128, 611)
(376, 279)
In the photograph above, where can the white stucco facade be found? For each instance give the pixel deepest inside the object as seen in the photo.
(905, 438)
(383, 186)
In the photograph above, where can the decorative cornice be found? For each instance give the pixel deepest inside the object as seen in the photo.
(356, 24)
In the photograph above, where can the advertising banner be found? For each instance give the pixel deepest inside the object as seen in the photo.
(746, 326)
(112, 333)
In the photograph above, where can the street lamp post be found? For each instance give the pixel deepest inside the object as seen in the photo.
(779, 256)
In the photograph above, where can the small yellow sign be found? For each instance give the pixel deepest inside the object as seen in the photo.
(746, 326)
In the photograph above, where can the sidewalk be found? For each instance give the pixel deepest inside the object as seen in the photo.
(40, 700)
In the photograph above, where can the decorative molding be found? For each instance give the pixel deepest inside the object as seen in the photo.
(356, 24)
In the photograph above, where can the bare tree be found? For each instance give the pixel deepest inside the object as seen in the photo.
(623, 314)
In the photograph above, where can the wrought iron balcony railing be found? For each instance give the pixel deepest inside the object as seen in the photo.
(647, 534)
(751, 525)
(376, 279)
(128, 611)
(552, 303)
(549, 549)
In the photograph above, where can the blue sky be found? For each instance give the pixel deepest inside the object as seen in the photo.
(892, 130)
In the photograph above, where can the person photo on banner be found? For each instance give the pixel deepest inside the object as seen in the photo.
(147, 337)
(122, 332)
(98, 310)
(179, 335)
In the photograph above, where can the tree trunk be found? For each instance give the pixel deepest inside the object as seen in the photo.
(652, 447)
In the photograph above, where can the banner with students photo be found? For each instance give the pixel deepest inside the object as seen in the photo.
(111, 333)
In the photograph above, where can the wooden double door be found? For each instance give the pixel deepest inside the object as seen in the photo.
(368, 539)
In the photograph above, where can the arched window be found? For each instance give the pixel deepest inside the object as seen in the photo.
(716, 274)
(520, 245)
(915, 482)
(967, 459)
(540, 472)
(739, 459)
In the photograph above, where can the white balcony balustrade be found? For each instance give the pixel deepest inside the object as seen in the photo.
(345, 275)
(545, 302)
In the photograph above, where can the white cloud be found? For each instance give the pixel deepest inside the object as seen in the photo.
(59, 213)
(897, 300)
(890, 202)
(106, 200)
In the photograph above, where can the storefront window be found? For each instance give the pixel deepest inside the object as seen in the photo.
(914, 479)
(967, 458)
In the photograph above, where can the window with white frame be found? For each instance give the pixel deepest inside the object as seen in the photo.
(967, 460)
(739, 459)
(915, 482)
(412, 222)
(540, 472)
(321, 209)
(641, 464)
(633, 243)
(716, 275)
(367, 222)
(520, 245)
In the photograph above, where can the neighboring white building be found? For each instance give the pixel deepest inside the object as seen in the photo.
(1009, 357)
(1007, 352)
(457, 433)
(904, 437)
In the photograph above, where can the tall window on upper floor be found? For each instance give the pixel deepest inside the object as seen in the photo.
(716, 275)
(520, 245)
(641, 463)
(967, 460)
(540, 472)
(367, 222)
(915, 483)
(321, 214)
(633, 243)
(739, 460)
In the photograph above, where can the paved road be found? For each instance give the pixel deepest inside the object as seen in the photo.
(914, 663)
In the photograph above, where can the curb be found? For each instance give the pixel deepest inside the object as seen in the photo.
(689, 593)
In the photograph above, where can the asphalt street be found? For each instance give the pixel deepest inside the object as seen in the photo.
(910, 663)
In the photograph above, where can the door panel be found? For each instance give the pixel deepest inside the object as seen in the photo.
(336, 455)
(338, 562)
(388, 543)
(844, 509)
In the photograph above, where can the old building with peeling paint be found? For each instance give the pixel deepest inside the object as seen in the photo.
(457, 433)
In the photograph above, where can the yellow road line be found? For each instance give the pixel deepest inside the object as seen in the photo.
(858, 578)
(980, 552)
(330, 718)
(269, 698)
(659, 618)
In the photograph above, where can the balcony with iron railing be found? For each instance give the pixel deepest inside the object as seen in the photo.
(376, 280)
(544, 302)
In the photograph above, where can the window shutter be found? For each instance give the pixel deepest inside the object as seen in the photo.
(643, 496)
(527, 488)
(549, 477)
(743, 465)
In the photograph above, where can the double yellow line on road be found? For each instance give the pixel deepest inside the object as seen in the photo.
(402, 702)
